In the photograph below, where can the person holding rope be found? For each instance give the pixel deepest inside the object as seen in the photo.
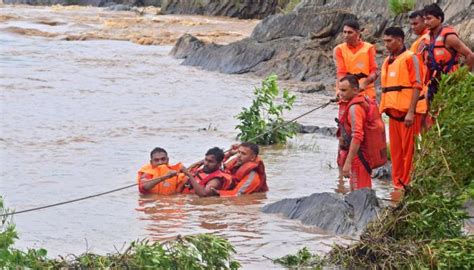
(158, 176)
(207, 177)
(363, 133)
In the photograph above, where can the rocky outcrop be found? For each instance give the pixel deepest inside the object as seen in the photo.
(247, 9)
(334, 213)
(298, 45)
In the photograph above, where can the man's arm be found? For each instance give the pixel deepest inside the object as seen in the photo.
(341, 70)
(415, 72)
(372, 77)
(147, 185)
(453, 41)
(200, 190)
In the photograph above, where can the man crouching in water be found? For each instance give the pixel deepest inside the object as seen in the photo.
(210, 179)
(247, 170)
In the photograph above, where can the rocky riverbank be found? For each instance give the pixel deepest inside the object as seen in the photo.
(298, 45)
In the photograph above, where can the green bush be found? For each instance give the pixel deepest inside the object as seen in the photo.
(401, 6)
(263, 123)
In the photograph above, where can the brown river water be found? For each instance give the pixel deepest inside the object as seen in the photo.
(80, 116)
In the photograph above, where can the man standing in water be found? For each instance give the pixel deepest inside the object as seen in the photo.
(158, 177)
(355, 57)
(401, 87)
(209, 179)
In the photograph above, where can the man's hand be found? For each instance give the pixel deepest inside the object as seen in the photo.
(346, 170)
(171, 174)
(409, 118)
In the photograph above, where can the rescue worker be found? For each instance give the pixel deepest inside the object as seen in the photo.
(442, 49)
(205, 181)
(356, 57)
(353, 124)
(417, 25)
(247, 170)
(401, 87)
(158, 177)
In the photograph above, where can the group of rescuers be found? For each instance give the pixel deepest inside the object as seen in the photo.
(408, 79)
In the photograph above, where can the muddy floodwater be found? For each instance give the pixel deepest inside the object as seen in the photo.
(80, 116)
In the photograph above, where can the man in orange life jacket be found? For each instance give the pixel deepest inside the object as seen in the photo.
(209, 179)
(442, 49)
(401, 87)
(417, 25)
(247, 170)
(353, 124)
(158, 177)
(355, 57)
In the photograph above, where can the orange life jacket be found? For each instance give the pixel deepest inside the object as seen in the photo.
(396, 86)
(168, 186)
(358, 64)
(240, 174)
(204, 178)
(439, 59)
(373, 149)
(417, 48)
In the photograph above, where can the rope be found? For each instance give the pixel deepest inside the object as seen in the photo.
(132, 185)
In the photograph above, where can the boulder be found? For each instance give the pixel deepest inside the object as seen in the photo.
(186, 45)
(334, 213)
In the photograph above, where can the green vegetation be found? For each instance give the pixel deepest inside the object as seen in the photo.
(425, 229)
(263, 123)
(398, 7)
(202, 251)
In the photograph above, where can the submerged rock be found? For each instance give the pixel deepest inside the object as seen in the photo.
(334, 213)
(185, 46)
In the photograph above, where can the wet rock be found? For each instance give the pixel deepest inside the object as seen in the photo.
(327, 131)
(334, 213)
(469, 223)
(240, 57)
(186, 45)
(249, 9)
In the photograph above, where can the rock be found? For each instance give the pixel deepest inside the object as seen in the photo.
(94, 3)
(248, 9)
(119, 7)
(334, 213)
(186, 45)
(240, 57)
(327, 131)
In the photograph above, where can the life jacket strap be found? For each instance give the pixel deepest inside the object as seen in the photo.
(395, 88)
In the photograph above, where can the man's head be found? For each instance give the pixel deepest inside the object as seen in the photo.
(351, 32)
(393, 38)
(417, 22)
(158, 156)
(348, 87)
(213, 160)
(433, 16)
(247, 152)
